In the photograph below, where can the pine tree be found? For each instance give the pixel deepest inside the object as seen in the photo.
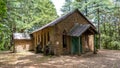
(67, 7)
(23, 16)
(2, 9)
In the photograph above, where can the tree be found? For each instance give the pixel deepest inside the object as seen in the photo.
(2, 9)
(33, 13)
(67, 6)
(3, 27)
(47, 10)
(24, 16)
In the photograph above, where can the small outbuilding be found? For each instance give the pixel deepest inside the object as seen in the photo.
(22, 42)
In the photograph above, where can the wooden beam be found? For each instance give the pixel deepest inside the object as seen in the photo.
(37, 38)
(95, 45)
(91, 31)
(46, 38)
(35, 41)
(40, 36)
(79, 46)
(43, 41)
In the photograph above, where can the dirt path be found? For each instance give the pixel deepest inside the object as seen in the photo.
(104, 59)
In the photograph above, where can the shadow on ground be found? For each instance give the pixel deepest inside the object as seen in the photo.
(104, 59)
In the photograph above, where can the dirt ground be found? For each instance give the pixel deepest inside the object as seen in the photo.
(104, 59)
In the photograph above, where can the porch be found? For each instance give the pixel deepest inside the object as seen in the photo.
(79, 40)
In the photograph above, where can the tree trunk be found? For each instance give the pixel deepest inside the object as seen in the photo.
(99, 27)
(86, 11)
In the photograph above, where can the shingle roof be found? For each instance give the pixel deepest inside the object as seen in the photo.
(21, 36)
(79, 29)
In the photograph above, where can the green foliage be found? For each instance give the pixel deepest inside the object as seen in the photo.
(4, 38)
(27, 14)
(114, 45)
(2, 9)
(109, 37)
(3, 27)
(67, 6)
(47, 13)
(23, 16)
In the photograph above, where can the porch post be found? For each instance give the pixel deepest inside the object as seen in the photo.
(71, 47)
(79, 46)
(95, 45)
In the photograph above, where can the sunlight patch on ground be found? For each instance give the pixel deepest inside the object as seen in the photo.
(111, 59)
(45, 64)
(22, 61)
(25, 53)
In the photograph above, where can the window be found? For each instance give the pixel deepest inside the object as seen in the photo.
(48, 36)
(64, 39)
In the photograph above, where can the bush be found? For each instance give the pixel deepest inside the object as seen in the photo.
(115, 45)
(109, 43)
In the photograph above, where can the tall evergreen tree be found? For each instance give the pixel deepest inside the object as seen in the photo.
(27, 13)
(3, 27)
(67, 6)
(24, 16)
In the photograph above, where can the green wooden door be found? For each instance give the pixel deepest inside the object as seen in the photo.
(75, 45)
